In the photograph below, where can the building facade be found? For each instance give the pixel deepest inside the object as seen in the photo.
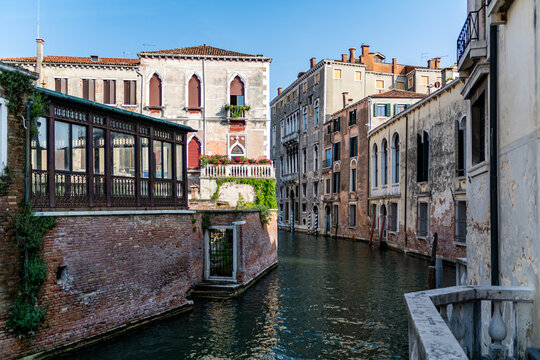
(300, 111)
(417, 176)
(222, 94)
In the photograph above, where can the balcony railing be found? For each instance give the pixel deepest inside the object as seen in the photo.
(290, 138)
(237, 112)
(241, 171)
(469, 32)
(469, 322)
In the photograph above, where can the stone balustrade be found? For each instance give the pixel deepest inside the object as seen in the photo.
(468, 322)
(239, 171)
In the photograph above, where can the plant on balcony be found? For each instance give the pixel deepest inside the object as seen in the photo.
(265, 190)
(206, 160)
(237, 111)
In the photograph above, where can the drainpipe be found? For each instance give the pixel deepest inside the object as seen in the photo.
(406, 175)
(142, 86)
(493, 155)
(204, 103)
(27, 122)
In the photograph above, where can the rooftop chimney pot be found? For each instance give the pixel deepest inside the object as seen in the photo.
(352, 52)
(279, 90)
(365, 50)
(312, 62)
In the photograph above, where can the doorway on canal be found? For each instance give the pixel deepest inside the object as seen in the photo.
(328, 298)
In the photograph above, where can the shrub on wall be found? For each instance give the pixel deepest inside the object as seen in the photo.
(265, 190)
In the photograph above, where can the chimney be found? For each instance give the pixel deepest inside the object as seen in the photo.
(39, 61)
(430, 64)
(344, 57)
(352, 52)
(437, 63)
(279, 90)
(394, 65)
(312, 62)
(365, 50)
(345, 99)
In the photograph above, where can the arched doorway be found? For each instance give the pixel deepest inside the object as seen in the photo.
(194, 153)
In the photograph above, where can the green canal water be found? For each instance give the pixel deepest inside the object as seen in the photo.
(329, 299)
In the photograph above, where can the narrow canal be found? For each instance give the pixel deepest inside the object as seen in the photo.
(329, 298)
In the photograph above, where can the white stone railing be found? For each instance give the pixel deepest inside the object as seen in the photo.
(466, 322)
(239, 171)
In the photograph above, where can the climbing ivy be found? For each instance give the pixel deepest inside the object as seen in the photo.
(5, 180)
(28, 230)
(265, 190)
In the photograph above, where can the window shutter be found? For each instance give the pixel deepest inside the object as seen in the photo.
(419, 158)
(86, 88)
(92, 90)
(57, 85)
(395, 109)
(407, 106)
(426, 156)
(375, 109)
(106, 91)
(388, 110)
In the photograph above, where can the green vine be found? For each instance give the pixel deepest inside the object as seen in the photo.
(27, 314)
(205, 223)
(5, 180)
(265, 190)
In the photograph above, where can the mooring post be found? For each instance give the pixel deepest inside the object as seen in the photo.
(431, 270)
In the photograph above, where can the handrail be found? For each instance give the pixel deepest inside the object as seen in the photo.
(239, 170)
(470, 31)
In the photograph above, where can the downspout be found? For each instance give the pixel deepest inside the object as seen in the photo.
(28, 123)
(406, 175)
(493, 155)
(142, 86)
(204, 103)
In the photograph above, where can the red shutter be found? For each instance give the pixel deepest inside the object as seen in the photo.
(194, 152)
(155, 91)
(237, 87)
(194, 92)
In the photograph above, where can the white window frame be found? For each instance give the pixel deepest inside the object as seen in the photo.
(334, 74)
(361, 76)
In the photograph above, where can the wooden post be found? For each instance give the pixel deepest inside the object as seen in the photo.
(372, 230)
(381, 233)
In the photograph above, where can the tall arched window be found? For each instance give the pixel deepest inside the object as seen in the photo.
(194, 153)
(237, 91)
(374, 166)
(316, 158)
(155, 91)
(384, 162)
(395, 159)
(194, 92)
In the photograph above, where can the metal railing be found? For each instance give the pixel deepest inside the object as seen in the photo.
(240, 171)
(468, 322)
(469, 32)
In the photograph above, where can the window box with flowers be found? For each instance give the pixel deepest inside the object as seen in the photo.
(236, 112)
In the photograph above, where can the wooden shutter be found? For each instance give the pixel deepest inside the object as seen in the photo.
(388, 110)
(92, 89)
(58, 85)
(194, 92)
(375, 109)
(155, 91)
(194, 152)
(237, 87)
(425, 157)
(395, 109)
(126, 92)
(106, 91)
(133, 92)
(86, 88)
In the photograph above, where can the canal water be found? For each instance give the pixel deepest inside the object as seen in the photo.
(329, 298)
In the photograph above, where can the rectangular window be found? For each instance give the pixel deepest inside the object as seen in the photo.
(411, 82)
(422, 157)
(461, 221)
(316, 188)
(422, 219)
(424, 80)
(70, 147)
(400, 85)
(337, 73)
(379, 84)
(316, 116)
(357, 75)
(274, 135)
(123, 154)
(304, 190)
(399, 108)
(337, 124)
(179, 162)
(352, 117)
(335, 215)
(304, 87)
(317, 78)
(163, 160)
(282, 127)
(478, 129)
(109, 91)
(352, 215)
(145, 158)
(392, 221)
(61, 85)
(328, 158)
(381, 109)
(327, 186)
(353, 146)
(352, 181)
(336, 180)
(130, 91)
(337, 151)
(305, 120)
(304, 160)
(329, 129)
(89, 89)
(99, 151)
(39, 146)
(460, 149)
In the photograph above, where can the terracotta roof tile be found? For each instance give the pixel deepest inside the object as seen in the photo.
(200, 50)
(395, 93)
(75, 60)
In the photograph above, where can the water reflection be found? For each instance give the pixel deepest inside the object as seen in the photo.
(330, 299)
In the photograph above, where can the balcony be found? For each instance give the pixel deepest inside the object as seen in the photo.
(471, 42)
(469, 322)
(291, 138)
(259, 171)
(237, 113)
(290, 178)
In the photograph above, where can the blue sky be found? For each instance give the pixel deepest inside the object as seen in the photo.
(290, 32)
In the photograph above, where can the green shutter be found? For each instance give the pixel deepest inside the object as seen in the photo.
(395, 109)
(374, 109)
(407, 106)
(388, 110)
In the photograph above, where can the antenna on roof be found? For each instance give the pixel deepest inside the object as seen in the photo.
(423, 56)
(147, 45)
(124, 53)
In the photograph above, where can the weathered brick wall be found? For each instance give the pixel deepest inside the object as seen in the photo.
(123, 268)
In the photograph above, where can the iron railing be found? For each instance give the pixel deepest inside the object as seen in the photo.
(469, 32)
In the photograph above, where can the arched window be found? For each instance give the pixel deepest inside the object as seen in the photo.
(194, 153)
(316, 158)
(374, 166)
(155, 91)
(384, 162)
(237, 91)
(194, 92)
(395, 159)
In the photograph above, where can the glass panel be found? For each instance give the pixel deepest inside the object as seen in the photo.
(39, 146)
(99, 151)
(62, 155)
(123, 154)
(157, 159)
(78, 148)
(179, 162)
(145, 159)
(167, 160)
